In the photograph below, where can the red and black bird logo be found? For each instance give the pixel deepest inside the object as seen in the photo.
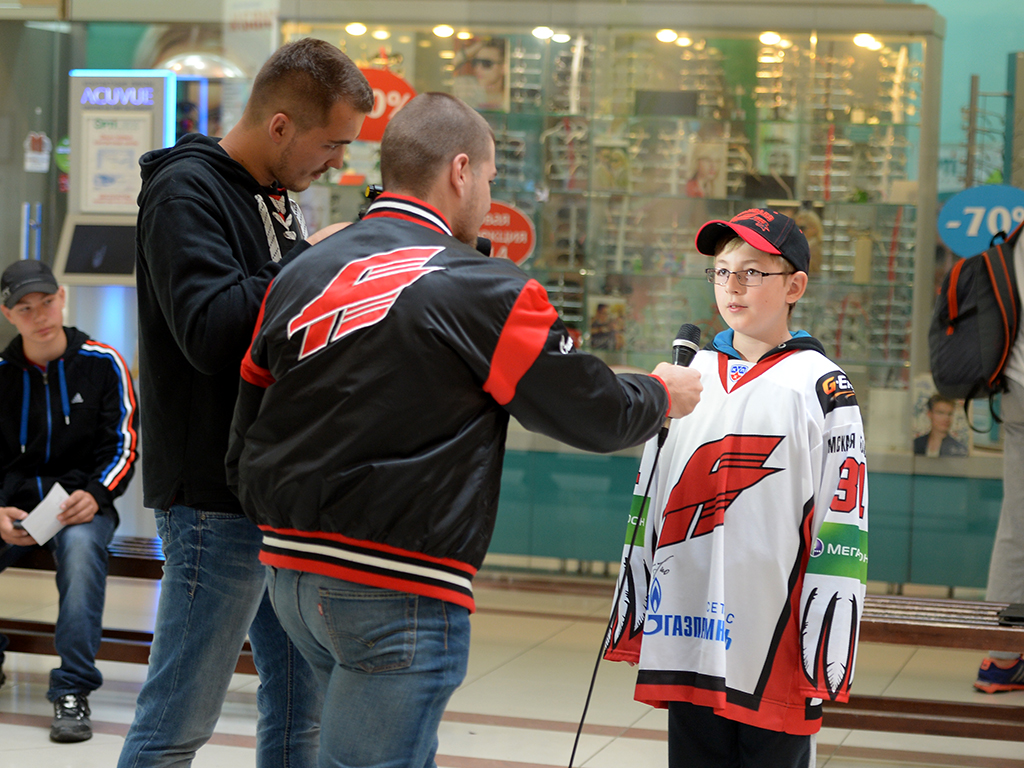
(715, 475)
(360, 295)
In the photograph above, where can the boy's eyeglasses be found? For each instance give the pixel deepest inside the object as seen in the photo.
(749, 277)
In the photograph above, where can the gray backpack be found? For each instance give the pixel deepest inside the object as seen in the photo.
(975, 323)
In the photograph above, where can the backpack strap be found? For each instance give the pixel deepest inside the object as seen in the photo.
(951, 302)
(1006, 297)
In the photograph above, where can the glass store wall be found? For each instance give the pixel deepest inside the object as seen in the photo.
(618, 143)
(618, 140)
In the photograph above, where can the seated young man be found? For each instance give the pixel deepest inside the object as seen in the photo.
(67, 416)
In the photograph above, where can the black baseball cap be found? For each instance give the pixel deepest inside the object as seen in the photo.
(766, 230)
(25, 277)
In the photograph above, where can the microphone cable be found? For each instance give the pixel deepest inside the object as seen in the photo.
(684, 348)
(662, 434)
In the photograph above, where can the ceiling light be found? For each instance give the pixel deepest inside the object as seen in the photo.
(543, 33)
(443, 30)
(667, 35)
(447, 54)
(864, 40)
(356, 29)
(561, 37)
(381, 34)
(683, 41)
(784, 43)
(465, 35)
(202, 64)
(770, 38)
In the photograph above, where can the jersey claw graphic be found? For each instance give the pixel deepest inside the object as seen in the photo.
(627, 613)
(833, 676)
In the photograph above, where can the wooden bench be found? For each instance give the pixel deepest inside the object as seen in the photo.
(935, 623)
(131, 557)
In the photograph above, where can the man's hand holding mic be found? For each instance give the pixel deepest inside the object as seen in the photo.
(683, 385)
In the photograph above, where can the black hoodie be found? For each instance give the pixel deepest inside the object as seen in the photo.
(75, 423)
(209, 241)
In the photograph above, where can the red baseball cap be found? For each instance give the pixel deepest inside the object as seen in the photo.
(766, 230)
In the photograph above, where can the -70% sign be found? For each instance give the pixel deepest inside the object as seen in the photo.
(970, 219)
(997, 219)
(390, 94)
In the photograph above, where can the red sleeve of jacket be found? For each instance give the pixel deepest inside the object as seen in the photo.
(522, 340)
(539, 377)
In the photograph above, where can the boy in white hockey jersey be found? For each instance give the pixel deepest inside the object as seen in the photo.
(742, 595)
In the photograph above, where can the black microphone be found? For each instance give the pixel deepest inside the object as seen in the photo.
(685, 345)
(684, 349)
(483, 245)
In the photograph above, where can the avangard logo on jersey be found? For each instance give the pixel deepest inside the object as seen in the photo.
(715, 475)
(361, 294)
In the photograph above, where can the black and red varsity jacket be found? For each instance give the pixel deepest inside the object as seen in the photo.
(369, 432)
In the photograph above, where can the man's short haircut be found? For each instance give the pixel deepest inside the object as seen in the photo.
(425, 136)
(304, 79)
(937, 398)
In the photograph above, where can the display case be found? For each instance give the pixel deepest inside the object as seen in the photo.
(619, 139)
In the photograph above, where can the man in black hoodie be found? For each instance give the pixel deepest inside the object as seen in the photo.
(215, 226)
(67, 417)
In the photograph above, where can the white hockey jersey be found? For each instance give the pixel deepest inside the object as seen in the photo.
(744, 589)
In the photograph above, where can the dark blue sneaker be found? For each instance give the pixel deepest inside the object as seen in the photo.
(995, 679)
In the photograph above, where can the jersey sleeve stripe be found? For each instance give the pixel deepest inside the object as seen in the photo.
(125, 454)
(521, 341)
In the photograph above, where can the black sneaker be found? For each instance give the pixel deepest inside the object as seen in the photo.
(71, 719)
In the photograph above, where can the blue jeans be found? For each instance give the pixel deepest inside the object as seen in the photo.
(80, 553)
(213, 591)
(388, 661)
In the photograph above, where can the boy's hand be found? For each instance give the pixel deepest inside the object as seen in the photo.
(683, 385)
(80, 507)
(9, 533)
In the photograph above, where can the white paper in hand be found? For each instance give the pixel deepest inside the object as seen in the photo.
(42, 523)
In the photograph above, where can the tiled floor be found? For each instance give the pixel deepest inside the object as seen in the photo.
(533, 651)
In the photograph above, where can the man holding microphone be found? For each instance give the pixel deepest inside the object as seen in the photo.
(369, 432)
